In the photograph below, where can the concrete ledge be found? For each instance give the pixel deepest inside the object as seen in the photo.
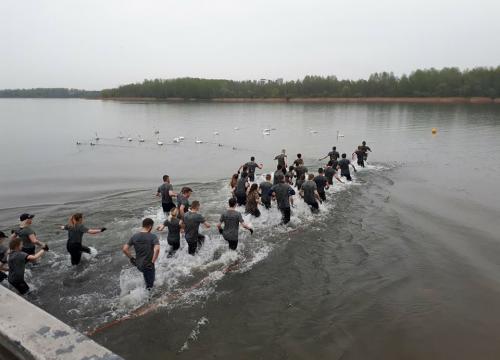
(30, 333)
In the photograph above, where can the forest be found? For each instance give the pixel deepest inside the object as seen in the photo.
(48, 93)
(446, 82)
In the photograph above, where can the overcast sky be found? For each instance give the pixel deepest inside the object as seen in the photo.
(99, 44)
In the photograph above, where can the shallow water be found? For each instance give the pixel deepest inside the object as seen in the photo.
(402, 263)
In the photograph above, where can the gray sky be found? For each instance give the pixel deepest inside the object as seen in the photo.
(98, 44)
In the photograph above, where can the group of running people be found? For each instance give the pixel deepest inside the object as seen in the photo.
(185, 217)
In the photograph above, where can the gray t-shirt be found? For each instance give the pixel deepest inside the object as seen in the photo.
(334, 155)
(3, 253)
(283, 192)
(330, 173)
(164, 190)
(321, 182)
(309, 187)
(276, 174)
(181, 200)
(75, 233)
(251, 167)
(24, 233)
(144, 244)
(174, 229)
(192, 223)
(344, 166)
(264, 188)
(241, 186)
(231, 220)
(281, 159)
(300, 170)
(17, 264)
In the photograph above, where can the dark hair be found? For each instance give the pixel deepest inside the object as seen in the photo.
(299, 155)
(165, 177)
(75, 219)
(15, 243)
(232, 202)
(268, 177)
(245, 168)
(364, 142)
(291, 168)
(253, 188)
(344, 155)
(321, 171)
(252, 158)
(279, 167)
(195, 204)
(330, 163)
(280, 178)
(311, 176)
(334, 148)
(186, 189)
(147, 223)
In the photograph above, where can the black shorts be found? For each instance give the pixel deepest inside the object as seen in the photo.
(75, 250)
(241, 199)
(322, 195)
(347, 176)
(314, 205)
(266, 203)
(251, 177)
(20, 286)
(167, 207)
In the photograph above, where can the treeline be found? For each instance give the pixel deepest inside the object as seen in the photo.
(48, 93)
(447, 82)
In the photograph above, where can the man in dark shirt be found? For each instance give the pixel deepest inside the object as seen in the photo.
(3, 256)
(334, 155)
(344, 167)
(27, 234)
(17, 264)
(360, 155)
(331, 172)
(166, 191)
(283, 192)
(299, 160)
(264, 187)
(321, 183)
(251, 166)
(241, 189)
(147, 250)
(231, 220)
(282, 159)
(192, 222)
(309, 191)
(183, 201)
(280, 171)
(365, 149)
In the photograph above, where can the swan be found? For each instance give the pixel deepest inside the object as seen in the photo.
(141, 139)
(176, 140)
(78, 143)
(160, 143)
(181, 138)
(313, 131)
(199, 141)
(236, 128)
(129, 139)
(92, 144)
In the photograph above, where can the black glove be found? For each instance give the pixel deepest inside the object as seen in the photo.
(221, 231)
(103, 229)
(132, 261)
(251, 231)
(45, 247)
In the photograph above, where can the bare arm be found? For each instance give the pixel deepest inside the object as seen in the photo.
(338, 179)
(260, 166)
(95, 231)
(126, 251)
(34, 240)
(156, 253)
(206, 225)
(353, 167)
(181, 211)
(316, 195)
(35, 257)
(172, 193)
(160, 227)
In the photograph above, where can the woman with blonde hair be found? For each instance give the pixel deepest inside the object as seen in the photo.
(175, 226)
(76, 229)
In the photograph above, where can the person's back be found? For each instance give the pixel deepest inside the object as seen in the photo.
(75, 233)
(344, 166)
(330, 173)
(300, 181)
(300, 170)
(281, 160)
(265, 187)
(17, 265)
(321, 182)
(143, 243)
(231, 220)
(173, 225)
(241, 187)
(24, 234)
(192, 222)
(283, 193)
(251, 165)
(334, 155)
(309, 187)
(164, 190)
(276, 176)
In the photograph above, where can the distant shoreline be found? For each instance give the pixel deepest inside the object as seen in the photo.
(325, 100)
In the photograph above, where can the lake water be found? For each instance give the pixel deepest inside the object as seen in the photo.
(401, 264)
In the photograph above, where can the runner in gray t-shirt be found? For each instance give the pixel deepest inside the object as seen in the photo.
(251, 166)
(232, 220)
(283, 192)
(192, 221)
(147, 250)
(309, 191)
(166, 191)
(27, 234)
(281, 159)
(265, 187)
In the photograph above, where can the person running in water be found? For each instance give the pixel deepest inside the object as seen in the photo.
(192, 222)
(233, 182)
(360, 155)
(309, 191)
(264, 188)
(321, 184)
(334, 155)
(279, 172)
(331, 172)
(76, 229)
(17, 264)
(344, 167)
(251, 166)
(27, 234)
(300, 170)
(281, 159)
(231, 219)
(174, 226)
(253, 201)
(241, 188)
(147, 251)
(290, 175)
(183, 201)
(3, 256)
(283, 192)
(365, 149)
(166, 191)
(299, 160)
(300, 181)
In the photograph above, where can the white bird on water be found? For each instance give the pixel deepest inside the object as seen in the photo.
(177, 140)
(216, 133)
(141, 139)
(181, 138)
(159, 142)
(129, 139)
(199, 141)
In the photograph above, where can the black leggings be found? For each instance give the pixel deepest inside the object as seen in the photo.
(255, 213)
(174, 246)
(241, 199)
(267, 203)
(314, 206)
(21, 286)
(75, 250)
(361, 162)
(322, 195)
(285, 212)
(194, 245)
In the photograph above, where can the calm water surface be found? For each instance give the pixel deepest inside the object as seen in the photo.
(401, 264)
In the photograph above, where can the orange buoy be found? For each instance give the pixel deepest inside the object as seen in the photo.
(434, 130)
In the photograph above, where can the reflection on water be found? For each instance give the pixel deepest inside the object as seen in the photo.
(401, 264)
